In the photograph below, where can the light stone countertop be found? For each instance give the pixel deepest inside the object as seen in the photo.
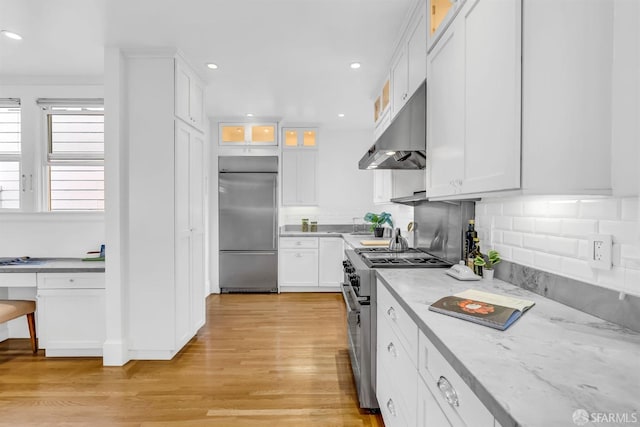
(551, 362)
(56, 265)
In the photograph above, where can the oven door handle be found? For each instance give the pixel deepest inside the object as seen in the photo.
(348, 295)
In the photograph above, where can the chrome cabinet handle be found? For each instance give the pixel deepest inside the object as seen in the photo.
(392, 349)
(392, 313)
(391, 407)
(24, 182)
(448, 392)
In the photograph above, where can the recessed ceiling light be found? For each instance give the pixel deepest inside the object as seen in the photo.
(355, 65)
(249, 115)
(212, 66)
(390, 153)
(11, 35)
(341, 115)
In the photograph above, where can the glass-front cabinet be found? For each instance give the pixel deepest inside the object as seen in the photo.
(440, 14)
(241, 134)
(300, 138)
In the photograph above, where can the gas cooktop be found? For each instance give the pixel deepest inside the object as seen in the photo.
(411, 258)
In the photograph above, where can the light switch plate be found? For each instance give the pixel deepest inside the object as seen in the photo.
(600, 248)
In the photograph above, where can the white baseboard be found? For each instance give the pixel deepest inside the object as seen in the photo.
(151, 354)
(309, 289)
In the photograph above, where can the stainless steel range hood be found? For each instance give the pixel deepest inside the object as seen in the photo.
(403, 144)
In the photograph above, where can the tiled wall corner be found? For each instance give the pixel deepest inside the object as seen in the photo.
(551, 234)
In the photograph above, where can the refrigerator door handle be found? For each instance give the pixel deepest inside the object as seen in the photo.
(275, 211)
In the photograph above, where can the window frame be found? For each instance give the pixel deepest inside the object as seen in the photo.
(15, 156)
(71, 158)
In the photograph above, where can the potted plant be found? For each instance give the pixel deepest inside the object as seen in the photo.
(487, 262)
(377, 221)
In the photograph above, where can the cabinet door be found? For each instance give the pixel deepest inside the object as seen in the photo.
(382, 186)
(417, 51)
(331, 254)
(307, 177)
(182, 91)
(182, 234)
(445, 113)
(263, 134)
(298, 267)
(399, 81)
(429, 413)
(197, 237)
(289, 177)
(196, 104)
(492, 95)
(440, 13)
(80, 334)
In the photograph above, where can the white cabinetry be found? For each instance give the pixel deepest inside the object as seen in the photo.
(416, 386)
(408, 68)
(243, 134)
(473, 105)
(165, 214)
(71, 313)
(330, 256)
(493, 58)
(299, 167)
(189, 95)
(310, 263)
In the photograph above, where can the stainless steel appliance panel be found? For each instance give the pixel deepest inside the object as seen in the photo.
(247, 271)
(248, 211)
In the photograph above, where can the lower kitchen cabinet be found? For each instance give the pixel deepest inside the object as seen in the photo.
(416, 386)
(310, 264)
(71, 313)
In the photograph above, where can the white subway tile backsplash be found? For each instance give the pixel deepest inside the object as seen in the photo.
(533, 241)
(563, 208)
(522, 256)
(512, 208)
(632, 281)
(493, 208)
(512, 239)
(563, 246)
(577, 268)
(503, 222)
(536, 208)
(612, 279)
(579, 227)
(548, 226)
(505, 251)
(551, 234)
(622, 231)
(523, 224)
(600, 209)
(630, 209)
(547, 262)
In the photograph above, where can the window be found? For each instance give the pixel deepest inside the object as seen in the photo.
(9, 154)
(75, 157)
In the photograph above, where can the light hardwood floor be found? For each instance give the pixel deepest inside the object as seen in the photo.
(261, 360)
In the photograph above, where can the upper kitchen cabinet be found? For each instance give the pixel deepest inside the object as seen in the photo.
(243, 134)
(408, 67)
(381, 108)
(299, 166)
(189, 95)
(390, 184)
(440, 13)
(480, 140)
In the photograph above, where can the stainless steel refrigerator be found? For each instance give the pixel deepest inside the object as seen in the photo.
(248, 221)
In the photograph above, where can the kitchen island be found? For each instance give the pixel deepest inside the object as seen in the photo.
(553, 364)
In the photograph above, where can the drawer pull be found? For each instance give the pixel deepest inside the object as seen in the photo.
(448, 392)
(71, 280)
(392, 349)
(391, 407)
(392, 313)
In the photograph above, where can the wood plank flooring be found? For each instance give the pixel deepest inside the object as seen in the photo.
(261, 360)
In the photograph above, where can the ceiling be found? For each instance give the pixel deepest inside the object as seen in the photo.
(283, 59)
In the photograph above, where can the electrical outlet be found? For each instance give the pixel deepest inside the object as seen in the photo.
(600, 248)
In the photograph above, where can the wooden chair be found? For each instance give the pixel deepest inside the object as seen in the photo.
(11, 309)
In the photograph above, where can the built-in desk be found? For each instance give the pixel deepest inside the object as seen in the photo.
(70, 309)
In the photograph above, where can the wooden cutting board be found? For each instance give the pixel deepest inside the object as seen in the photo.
(374, 242)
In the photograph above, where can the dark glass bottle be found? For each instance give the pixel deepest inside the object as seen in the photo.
(470, 234)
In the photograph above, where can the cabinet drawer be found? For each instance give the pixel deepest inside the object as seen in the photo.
(394, 360)
(468, 411)
(392, 411)
(70, 280)
(18, 280)
(295, 242)
(403, 326)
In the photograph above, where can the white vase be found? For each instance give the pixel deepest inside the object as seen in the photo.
(487, 274)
